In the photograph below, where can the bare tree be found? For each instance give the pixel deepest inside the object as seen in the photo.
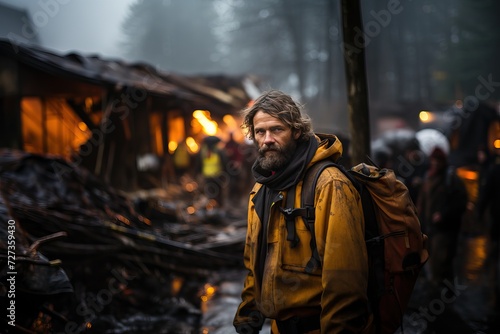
(357, 90)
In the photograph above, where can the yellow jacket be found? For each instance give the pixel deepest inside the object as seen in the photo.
(337, 292)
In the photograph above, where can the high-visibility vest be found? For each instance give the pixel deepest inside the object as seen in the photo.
(211, 163)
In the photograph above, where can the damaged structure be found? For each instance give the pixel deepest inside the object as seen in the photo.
(119, 120)
(80, 134)
(86, 260)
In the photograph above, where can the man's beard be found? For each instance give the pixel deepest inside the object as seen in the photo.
(277, 157)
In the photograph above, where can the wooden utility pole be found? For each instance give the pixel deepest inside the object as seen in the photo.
(357, 89)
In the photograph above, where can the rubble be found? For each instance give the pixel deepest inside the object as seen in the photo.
(90, 258)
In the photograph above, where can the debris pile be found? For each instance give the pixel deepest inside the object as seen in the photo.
(88, 259)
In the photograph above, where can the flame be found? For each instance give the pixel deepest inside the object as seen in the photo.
(496, 143)
(177, 284)
(208, 293)
(82, 126)
(467, 174)
(230, 121)
(203, 117)
(192, 144)
(191, 186)
(172, 145)
(210, 290)
(88, 103)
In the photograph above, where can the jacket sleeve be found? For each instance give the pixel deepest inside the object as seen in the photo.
(341, 245)
(248, 319)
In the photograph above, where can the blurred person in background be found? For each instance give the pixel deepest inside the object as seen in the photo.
(182, 160)
(488, 210)
(441, 204)
(416, 165)
(211, 164)
(234, 154)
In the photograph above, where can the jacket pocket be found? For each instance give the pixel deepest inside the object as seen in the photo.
(296, 258)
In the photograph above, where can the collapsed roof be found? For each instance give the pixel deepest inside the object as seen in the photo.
(232, 92)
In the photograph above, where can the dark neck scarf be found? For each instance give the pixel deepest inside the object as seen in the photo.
(292, 172)
(273, 183)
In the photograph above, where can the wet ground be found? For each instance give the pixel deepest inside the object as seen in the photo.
(466, 305)
(218, 312)
(463, 306)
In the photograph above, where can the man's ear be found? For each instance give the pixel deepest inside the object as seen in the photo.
(296, 134)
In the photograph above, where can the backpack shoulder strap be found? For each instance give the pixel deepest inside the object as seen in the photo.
(290, 213)
(307, 203)
(310, 179)
(306, 210)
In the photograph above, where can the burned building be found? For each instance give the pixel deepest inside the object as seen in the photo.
(77, 130)
(122, 121)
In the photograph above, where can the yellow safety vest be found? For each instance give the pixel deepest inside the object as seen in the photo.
(211, 164)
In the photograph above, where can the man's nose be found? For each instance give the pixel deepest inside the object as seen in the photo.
(268, 138)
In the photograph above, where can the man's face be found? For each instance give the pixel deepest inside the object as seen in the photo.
(275, 141)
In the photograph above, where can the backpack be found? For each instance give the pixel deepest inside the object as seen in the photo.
(396, 246)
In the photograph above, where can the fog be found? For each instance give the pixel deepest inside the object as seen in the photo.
(420, 55)
(88, 26)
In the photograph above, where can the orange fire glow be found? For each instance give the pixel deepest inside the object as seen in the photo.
(192, 145)
(209, 126)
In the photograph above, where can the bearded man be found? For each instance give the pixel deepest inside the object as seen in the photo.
(331, 298)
